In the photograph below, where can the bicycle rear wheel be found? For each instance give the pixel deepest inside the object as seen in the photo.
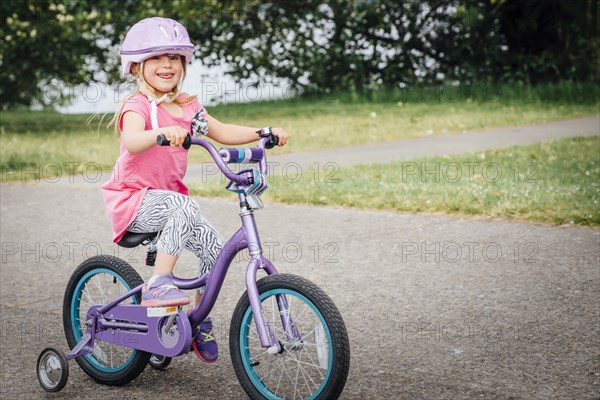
(98, 280)
(314, 367)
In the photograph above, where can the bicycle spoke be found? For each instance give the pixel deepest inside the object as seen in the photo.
(270, 371)
(98, 286)
(317, 367)
(279, 382)
(89, 298)
(305, 375)
(105, 288)
(297, 373)
(290, 378)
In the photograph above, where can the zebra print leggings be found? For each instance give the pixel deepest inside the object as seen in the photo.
(177, 217)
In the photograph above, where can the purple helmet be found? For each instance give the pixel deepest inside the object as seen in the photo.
(154, 36)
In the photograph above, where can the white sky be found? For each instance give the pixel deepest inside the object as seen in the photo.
(210, 85)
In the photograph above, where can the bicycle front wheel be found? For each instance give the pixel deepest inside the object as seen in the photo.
(98, 280)
(315, 358)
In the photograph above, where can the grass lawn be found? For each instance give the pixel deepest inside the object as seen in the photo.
(34, 139)
(554, 183)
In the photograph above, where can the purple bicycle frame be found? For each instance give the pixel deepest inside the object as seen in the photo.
(111, 321)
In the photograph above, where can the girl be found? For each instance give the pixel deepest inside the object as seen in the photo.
(146, 192)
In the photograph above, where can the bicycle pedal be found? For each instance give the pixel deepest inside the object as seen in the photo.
(162, 311)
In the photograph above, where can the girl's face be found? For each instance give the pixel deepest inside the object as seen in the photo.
(163, 72)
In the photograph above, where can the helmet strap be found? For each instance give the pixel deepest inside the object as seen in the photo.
(155, 101)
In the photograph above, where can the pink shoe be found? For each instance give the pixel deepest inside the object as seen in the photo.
(163, 293)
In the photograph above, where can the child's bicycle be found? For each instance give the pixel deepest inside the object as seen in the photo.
(287, 338)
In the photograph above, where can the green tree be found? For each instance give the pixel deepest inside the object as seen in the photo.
(531, 41)
(317, 45)
(49, 44)
(551, 40)
(323, 45)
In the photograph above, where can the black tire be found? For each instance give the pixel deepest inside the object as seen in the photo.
(52, 369)
(159, 362)
(122, 278)
(250, 359)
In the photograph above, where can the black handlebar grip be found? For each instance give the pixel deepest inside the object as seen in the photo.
(272, 142)
(162, 140)
(187, 142)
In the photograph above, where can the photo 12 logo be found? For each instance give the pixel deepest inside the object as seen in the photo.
(470, 252)
(51, 172)
(482, 92)
(472, 171)
(294, 252)
(63, 252)
(290, 172)
(467, 331)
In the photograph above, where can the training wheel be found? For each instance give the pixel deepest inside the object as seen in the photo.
(52, 369)
(159, 362)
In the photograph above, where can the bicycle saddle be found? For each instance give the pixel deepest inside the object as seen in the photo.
(133, 239)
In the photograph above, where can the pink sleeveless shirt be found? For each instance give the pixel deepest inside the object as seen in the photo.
(157, 168)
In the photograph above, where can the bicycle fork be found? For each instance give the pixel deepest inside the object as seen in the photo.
(264, 329)
(267, 338)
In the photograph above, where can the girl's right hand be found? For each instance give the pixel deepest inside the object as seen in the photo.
(175, 134)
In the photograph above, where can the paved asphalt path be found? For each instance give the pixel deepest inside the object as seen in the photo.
(436, 307)
(432, 145)
(326, 161)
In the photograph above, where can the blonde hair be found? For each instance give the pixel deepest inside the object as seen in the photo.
(138, 73)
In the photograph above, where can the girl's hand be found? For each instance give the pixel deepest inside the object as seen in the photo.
(175, 134)
(281, 135)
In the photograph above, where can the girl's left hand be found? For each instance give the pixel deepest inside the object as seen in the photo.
(281, 135)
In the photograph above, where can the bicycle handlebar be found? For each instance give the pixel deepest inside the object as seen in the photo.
(257, 154)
